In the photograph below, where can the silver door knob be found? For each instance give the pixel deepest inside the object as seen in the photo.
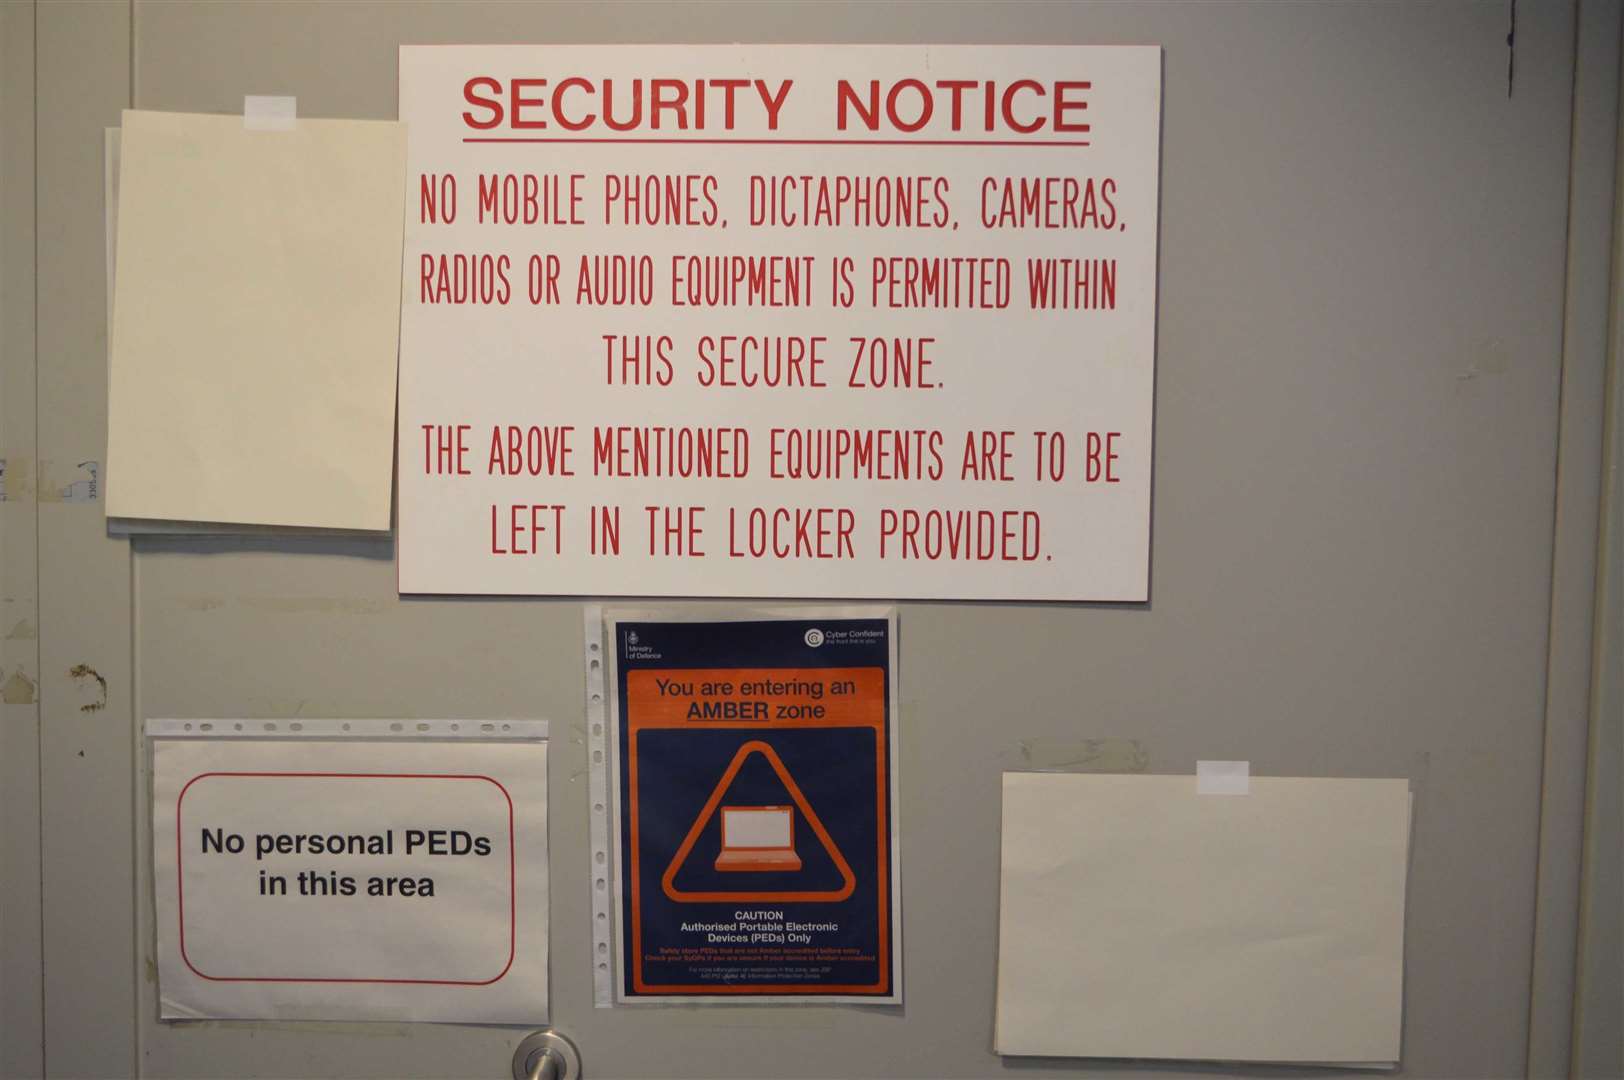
(545, 1065)
(546, 1055)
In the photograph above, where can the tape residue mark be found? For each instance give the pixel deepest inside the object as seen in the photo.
(1049, 754)
(1490, 359)
(318, 605)
(82, 672)
(84, 487)
(18, 475)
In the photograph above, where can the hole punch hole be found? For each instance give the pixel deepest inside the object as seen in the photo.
(603, 950)
(346, 727)
(210, 727)
(456, 727)
(597, 756)
(397, 727)
(422, 727)
(593, 646)
(596, 665)
(487, 727)
(188, 727)
(270, 727)
(597, 729)
(603, 967)
(597, 808)
(602, 884)
(507, 727)
(600, 858)
(596, 697)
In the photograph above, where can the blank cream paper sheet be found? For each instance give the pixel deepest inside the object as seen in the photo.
(1139, 919)
(256, 321)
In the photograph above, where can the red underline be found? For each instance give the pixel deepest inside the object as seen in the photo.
(789, 142)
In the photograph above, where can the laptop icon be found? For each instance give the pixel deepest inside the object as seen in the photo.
(758, 838)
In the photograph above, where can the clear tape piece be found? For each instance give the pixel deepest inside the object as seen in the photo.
(263, 112)
(1223, 777)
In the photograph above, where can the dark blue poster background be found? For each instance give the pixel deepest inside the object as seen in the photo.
(753, 943)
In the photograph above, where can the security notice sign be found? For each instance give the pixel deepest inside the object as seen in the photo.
(361, 875)
(753, 770)
(775, 320)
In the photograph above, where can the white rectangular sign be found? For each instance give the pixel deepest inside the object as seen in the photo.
(251, 368)
(779, 320)
(351, 880)
(1141, 918)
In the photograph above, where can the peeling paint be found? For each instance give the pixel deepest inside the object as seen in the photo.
(83, 672)
(23, 631)
(18, 690)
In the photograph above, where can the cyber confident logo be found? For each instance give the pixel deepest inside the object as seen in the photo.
(815, 637)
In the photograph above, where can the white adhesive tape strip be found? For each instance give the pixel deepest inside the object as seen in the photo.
(1223, 777)
(267, 113)
(370, 728)
(597, 787)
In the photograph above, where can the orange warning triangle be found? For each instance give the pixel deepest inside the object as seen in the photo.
(756, 746)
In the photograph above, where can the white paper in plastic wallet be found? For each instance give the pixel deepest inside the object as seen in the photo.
(379, 877)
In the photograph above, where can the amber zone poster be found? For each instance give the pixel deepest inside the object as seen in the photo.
(754, 779)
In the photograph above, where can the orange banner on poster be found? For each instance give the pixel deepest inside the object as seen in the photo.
(793, 697)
